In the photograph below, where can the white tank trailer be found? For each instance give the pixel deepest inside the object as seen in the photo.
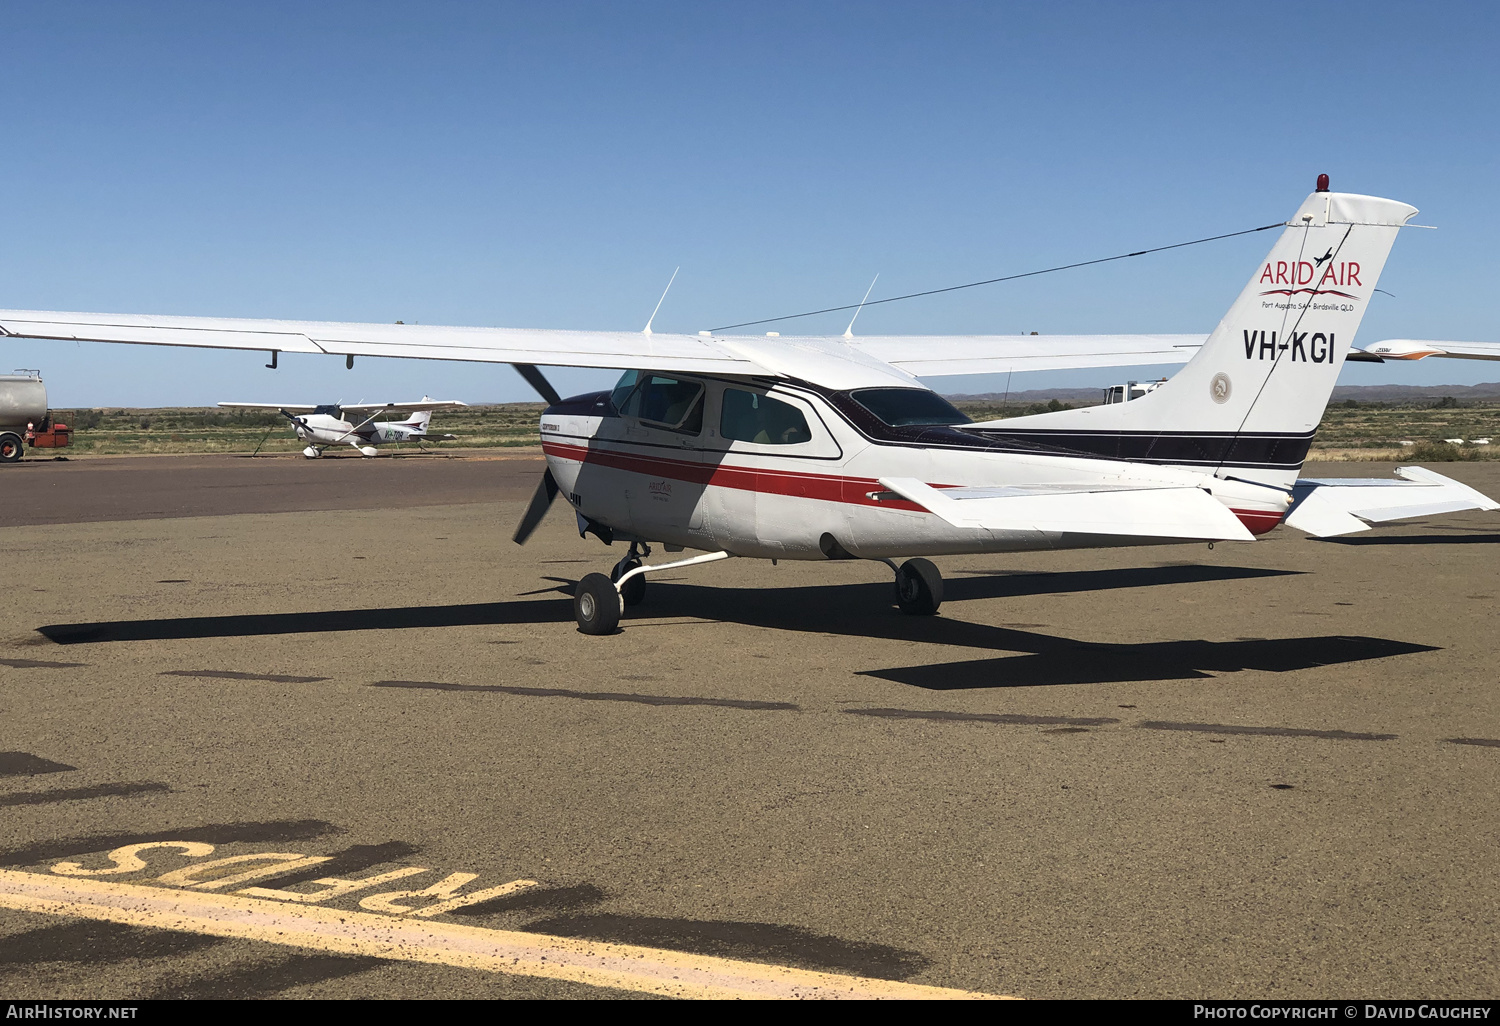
(23, 407)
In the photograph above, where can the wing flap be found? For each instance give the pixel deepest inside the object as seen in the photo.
(1328, 507)
(1139, 512)
(939, 355)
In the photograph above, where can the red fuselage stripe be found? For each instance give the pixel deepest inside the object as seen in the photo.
(827, 487)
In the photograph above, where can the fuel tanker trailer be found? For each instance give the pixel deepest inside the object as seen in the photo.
(24, 417)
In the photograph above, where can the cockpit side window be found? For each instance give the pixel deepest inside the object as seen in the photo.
(660, 400)
(752, 417)
(909, 407)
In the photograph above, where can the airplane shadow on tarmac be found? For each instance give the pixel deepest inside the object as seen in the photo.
(853, 610)
(1418, 539)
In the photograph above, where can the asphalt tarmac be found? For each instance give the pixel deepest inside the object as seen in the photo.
(1260, 770)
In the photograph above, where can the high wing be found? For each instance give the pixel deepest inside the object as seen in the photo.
(424, 405)
(283, 407)
(1420, 349)
(685, 353)
(1329, 507)
(830, 360)
(1146, 511)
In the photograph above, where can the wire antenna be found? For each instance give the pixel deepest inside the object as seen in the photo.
(1008, 277)
(647, 329)
(849, 331)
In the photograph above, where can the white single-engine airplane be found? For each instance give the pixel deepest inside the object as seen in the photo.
(341, 424)
(830, 448)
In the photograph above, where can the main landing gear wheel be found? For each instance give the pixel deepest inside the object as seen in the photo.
(597, 605)
(919, 587)
(10, 448)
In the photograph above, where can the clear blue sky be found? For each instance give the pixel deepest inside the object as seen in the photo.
(549, 164)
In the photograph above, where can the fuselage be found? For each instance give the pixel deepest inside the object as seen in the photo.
(788, 470)
(326, 429)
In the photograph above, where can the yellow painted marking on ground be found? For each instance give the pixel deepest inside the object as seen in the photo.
(597, 963)
(333, 886)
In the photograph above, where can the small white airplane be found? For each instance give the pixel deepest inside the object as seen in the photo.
(1421, 349)
(828, 447)
(322, 426)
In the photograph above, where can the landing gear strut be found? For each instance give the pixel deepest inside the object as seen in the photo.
(634, 590)
(599, 602)
(919, 587)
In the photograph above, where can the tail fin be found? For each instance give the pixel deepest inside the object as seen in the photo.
(1247, 405)
(418, 421)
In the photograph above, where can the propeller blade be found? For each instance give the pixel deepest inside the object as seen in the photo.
(535, 379)
(541, 501)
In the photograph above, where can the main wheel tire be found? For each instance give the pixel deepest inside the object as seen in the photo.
(634, 591)
(10, 448)
(919, 587)
(597, 605)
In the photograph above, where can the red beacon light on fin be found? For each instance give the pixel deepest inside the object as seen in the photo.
(1322, 183)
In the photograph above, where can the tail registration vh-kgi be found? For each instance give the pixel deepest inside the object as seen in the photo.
(829, 447)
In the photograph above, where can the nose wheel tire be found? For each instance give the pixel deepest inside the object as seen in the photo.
(919, 587)
(635, 588)
(597, 605)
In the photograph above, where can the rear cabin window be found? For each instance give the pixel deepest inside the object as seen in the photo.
(752, 417)
(908, 407)
(658, 399)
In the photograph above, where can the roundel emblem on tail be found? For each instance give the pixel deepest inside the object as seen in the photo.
(1220, 388)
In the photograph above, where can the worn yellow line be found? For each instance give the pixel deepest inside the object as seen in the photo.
(598, 963)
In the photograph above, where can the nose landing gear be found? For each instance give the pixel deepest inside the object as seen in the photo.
(634, 590)
(599, 602)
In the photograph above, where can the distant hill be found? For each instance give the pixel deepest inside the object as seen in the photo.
(1362, 393)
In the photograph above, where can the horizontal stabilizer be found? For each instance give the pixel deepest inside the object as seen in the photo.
(1328, 507)
(1129, 511)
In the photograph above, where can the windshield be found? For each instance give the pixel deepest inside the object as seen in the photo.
(908, 407)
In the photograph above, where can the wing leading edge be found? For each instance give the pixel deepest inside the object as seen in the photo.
(829, 360)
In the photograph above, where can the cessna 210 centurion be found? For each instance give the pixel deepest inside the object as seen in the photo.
(821, 448)
(322, 426)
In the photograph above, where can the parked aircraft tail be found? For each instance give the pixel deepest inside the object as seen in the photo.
(418, 421)
(1247, 405)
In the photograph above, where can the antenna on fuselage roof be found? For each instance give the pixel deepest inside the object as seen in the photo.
(647, 329)
(849, 331)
